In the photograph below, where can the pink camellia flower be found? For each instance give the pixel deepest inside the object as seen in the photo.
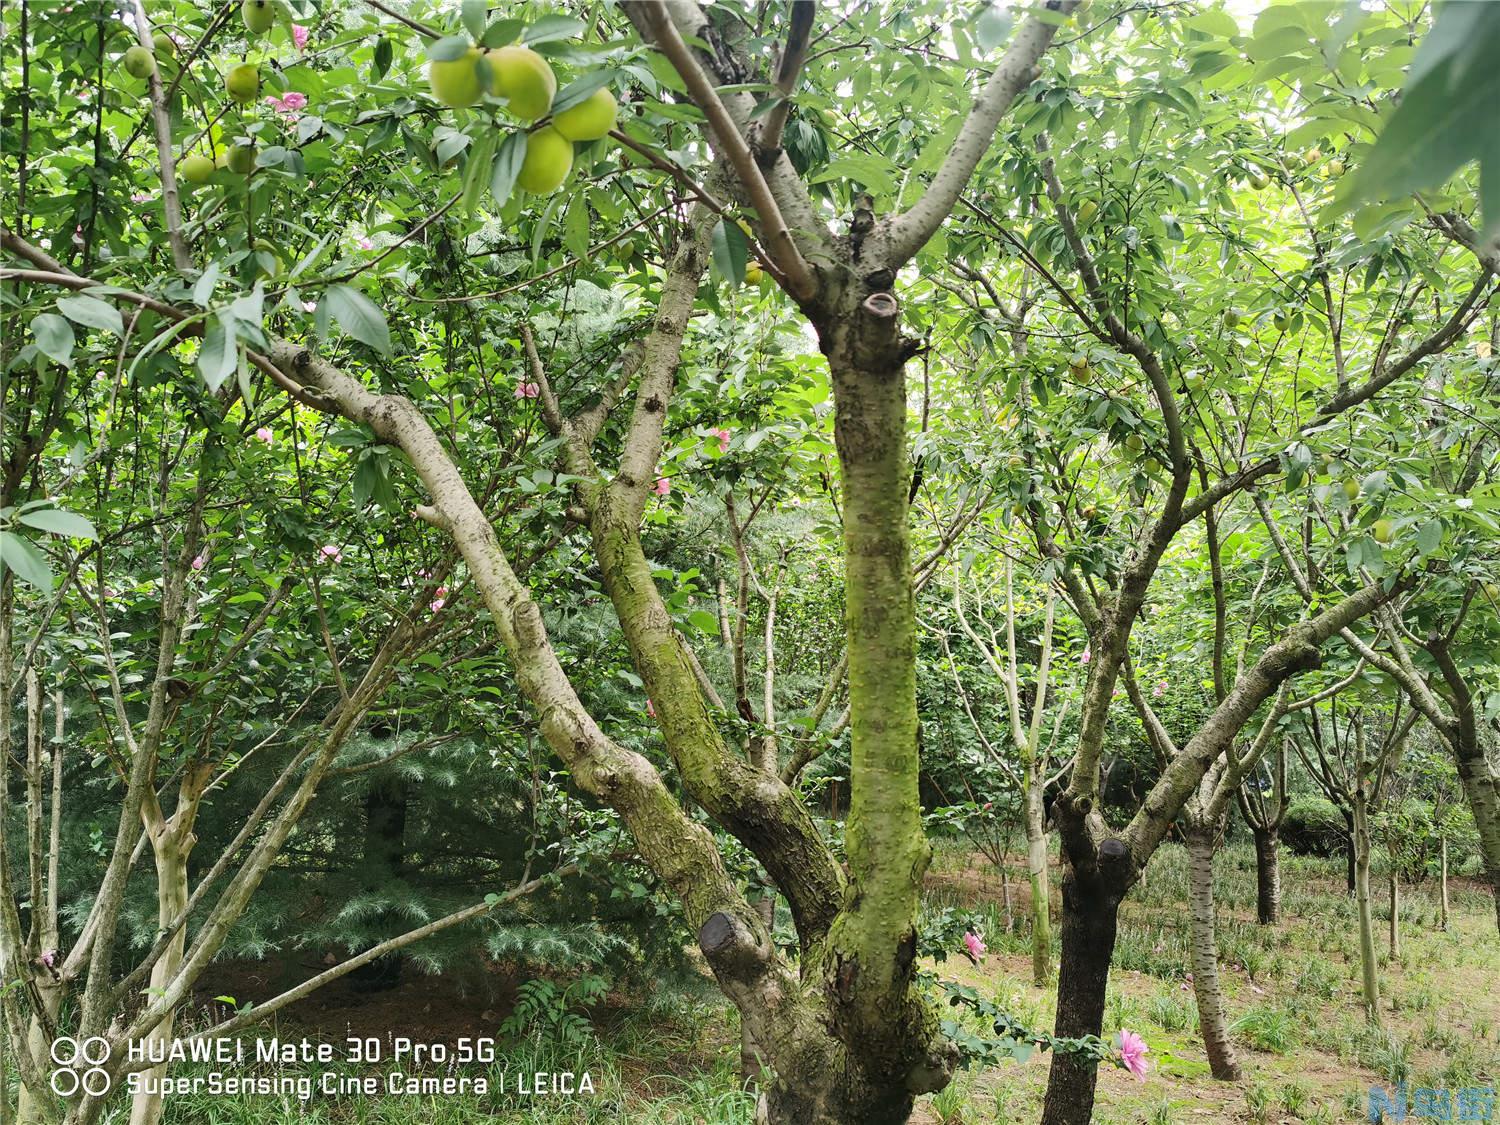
(663, 487)
(264, 434)
(299, 36)
(1160, 689)
(437, 604)
(974, 944)
(527, 390)
(650, 710)
(723, 436)
(442, 592)
(309, 306)
(1133, 1054)
(330, 553)
(1088, 654)
(198, 562)
(366, 244)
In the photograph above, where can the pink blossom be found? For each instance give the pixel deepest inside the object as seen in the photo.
(288, 104)
(974, 944)
(527, 390)
(723, 436)
(264, 434)
(442, 592)
(1133, 1054)
(365, 243)
(299, 36)
(140, 197)
(198, 562)
(1088, 654)
(330, 553)
(48, 958)
(1160, 689)
(650, 710)
(663, 487)
(309, 306)
(437, 604)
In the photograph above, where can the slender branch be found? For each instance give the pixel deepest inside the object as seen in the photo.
(793, 59)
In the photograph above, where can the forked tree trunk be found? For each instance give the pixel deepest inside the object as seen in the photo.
(1267, 876)
(1090, 918)
(1041, 884)
(28, 1110)
(1368, 966)
(171, 901)
(1205, 954)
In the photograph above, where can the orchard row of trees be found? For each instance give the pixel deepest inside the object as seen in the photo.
(893, 420)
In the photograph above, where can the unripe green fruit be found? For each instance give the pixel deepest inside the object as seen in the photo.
(243, 83)
(1383, 531)
(1088, 511)
(590, 119)
(241, 159)
(1078, 361)
(138, 62)
(166, 46)
(455, 82)
(753, 274)
(524, 79)
(1281, 320)
(1232, 317)
(1133, 443)
(549, 157)
(258, 15)
(196, 169)
(1335, 167)
(1492, 590)
(1259, 181)
(1087, 210)
(1351, 489)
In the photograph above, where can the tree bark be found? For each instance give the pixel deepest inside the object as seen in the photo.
(1395, 928)
(1205, 954)
(1482, 788)
(1351, 852)
(171, 900)
(1443, 882)
(1267, 876)
(1041, 889)
(1368, 967)
(1090, 916)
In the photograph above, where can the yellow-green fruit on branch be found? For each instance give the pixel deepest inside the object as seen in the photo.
(455, 82)
(549, 158)
(1351, 489)
(590, 119)
(241, 159)
(259, 15)
(1334, 167)
(138, 62)
(243, 83)
(166, 46)
(524, 79)
(1383, 531)
(195, 169)
(753, 274)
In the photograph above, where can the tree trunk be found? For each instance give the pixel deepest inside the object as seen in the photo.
(28, 1110)
(1041, 888)
(171, 901)
(1350, 851)
(1089, 918)
(1267, 876)
(1395, 931)
(1361, 842)
(1482, 788)
(1205, 954)
(752, 1061)
(1442, 882)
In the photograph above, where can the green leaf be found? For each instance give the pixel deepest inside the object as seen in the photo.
(203, 288)
(29, 564)
(580, 88)
(383, 56)
(703, 621)
(730, 251)
(54, 337)
(359, 317)
(576, 227)
(472, 15)
(55, 521)
(448, 49)
(552, 27)
(507, 166)
(992, 27)
(477, 170)
(216, 356)
(92, 313)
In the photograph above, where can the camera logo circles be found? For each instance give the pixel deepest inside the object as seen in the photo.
(67, 1052)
